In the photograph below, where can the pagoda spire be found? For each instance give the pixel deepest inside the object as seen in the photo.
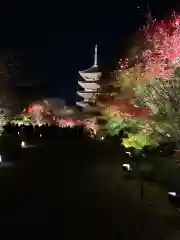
(95, 56)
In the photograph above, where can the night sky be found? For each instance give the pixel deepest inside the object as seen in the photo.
(59, 37)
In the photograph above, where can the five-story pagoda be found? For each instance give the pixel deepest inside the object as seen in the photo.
(90, 86)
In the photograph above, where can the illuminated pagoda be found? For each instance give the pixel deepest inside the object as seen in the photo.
(89, 84)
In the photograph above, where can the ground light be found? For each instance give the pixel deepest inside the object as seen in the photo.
(174, 200)
(172, 194)
(127, 167)
(23, 144)
(129, 154)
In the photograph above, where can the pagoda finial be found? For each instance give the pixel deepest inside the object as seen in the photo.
(95, 56)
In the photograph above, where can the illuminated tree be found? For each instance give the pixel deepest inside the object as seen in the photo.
(138, 141)
(8, 100)
(41, 113)
(36, 111)
(162, 57)
(146, 87)
(4, 117)
(8, 97)
(116, 102)
(163, 97)
(23, 119)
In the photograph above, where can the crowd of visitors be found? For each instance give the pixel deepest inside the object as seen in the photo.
(48, 132)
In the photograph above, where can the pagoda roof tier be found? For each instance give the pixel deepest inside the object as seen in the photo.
(87, 75)
(93, 69)
(86, 95)
(89, 86)
(86, 107)
(82, 104)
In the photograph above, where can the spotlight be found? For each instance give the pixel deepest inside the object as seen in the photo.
(172, 194)
(0, 158)
(129, 154)
(127, 167)
(102, 138)
(23, 144)
(40, 135)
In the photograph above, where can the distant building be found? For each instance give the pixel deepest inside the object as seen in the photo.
(89, 85)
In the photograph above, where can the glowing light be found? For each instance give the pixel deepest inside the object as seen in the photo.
(172, 194)
(127, 167)
(23, 144)
(129, 154)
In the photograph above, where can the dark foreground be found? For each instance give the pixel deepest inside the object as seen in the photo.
(52, 191)
(71, 191)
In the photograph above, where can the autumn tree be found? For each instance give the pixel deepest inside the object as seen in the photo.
(4, 117)
(147, 88)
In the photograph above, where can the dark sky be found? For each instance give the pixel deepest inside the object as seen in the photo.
(59, 36)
